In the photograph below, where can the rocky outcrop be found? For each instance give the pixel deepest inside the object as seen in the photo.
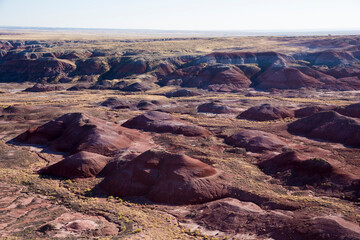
(285, 78)
(168, 178)
(34, 70)
(329, 58)
(223, 78)
(231, 218)
(126, 67)
(91, 66)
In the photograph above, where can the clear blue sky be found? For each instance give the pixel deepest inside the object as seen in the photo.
(184, 14)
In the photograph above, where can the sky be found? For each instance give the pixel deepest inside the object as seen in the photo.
(208, 15)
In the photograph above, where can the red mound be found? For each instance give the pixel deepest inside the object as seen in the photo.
(80, 165)
(116, 103)
(328, 126)
(295, 171)
(167, 178)
(255, 141)
(182, 93)
(138, 87)
(213, 107)
(75, 132)
(78, 87)
(222, 78)
(285, 78)
(308, 111)
(232, 217)
(38, 87)
(147, 105)
(352, 110)
(155, 121)
(266, 112)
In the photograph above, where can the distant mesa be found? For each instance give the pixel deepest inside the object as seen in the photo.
(39, 87)
(266, 112)
(330, 126)
(255, 141)
(161, 122)
(214, 107)
(168, 178)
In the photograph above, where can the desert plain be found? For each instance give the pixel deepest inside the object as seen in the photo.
(151, 137)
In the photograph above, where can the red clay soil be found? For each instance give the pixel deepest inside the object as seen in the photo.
(329, 126)
(75, 132)
(168, 178)
(255, 141)
(161, 122)
(266, 112)
(80, 165)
